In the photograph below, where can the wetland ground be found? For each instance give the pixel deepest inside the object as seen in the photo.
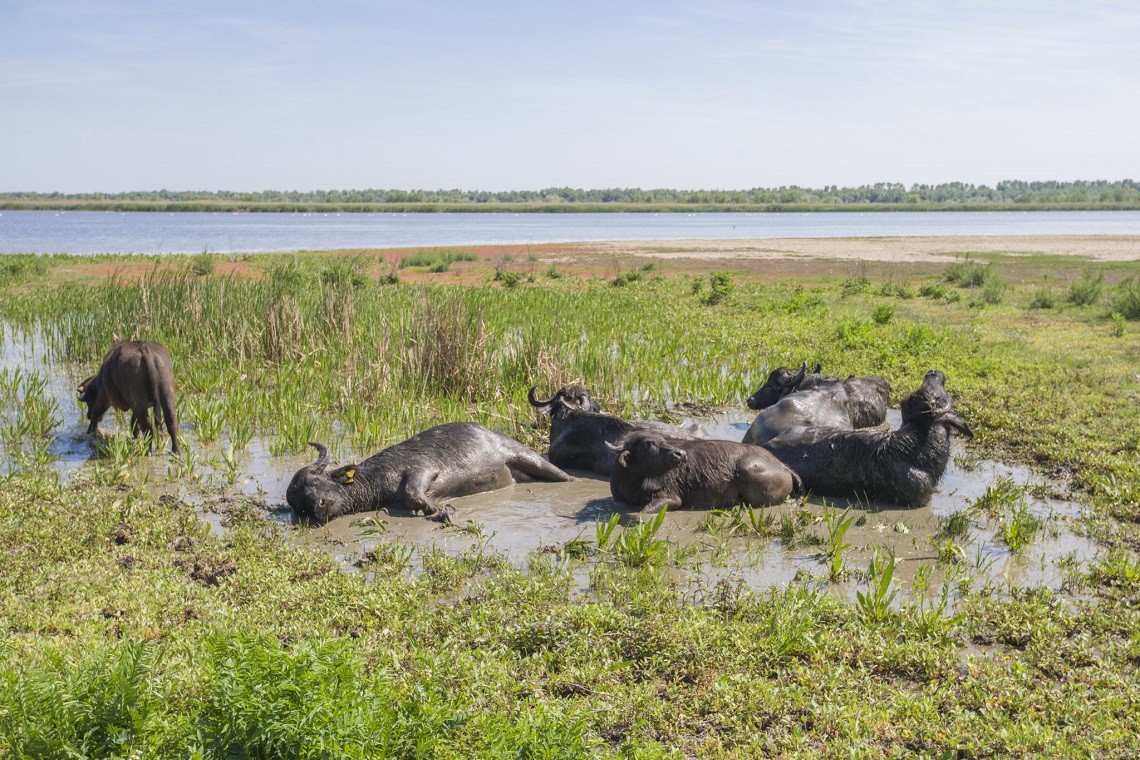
(154, 606)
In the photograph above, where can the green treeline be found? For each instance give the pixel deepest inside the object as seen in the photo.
(1122, 193)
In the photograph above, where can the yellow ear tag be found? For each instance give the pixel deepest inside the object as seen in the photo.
(348, 475)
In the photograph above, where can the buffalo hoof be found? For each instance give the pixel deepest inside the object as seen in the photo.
(440, 516)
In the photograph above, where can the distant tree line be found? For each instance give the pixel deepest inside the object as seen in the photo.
(1011, 191)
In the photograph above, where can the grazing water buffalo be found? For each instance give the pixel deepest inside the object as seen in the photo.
(899, 466)
(654, 471)
(803, 399)
(455, 459)
(135, 375)
(580, 430)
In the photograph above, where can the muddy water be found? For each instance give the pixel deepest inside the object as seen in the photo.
(529, 517)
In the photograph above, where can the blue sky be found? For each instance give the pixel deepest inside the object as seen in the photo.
(104, 95)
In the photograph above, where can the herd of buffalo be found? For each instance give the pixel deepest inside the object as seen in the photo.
(813, 434)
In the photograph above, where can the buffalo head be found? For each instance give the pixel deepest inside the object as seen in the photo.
(89, 394)
(568, 397)
(932, 400)
(317, 494)
(647, 455)
(781, 381)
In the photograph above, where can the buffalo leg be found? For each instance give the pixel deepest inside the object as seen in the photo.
(536, 467)
(760, 485)
(171, 421)
(659, 504)
(415, 494)
(95, 412)
(140, 424)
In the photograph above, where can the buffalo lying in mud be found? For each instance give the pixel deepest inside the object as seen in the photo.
(136, 375)
(580, 430)
(654, 471)
(898, 466)
(802, 399)
(450, 460)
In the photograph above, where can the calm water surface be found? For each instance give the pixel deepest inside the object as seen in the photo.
(89, 232)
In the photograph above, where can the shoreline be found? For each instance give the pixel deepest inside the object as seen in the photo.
(898, 249)
(902, 249)
(579, 207)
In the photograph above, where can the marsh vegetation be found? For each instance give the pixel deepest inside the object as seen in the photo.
(130, 626)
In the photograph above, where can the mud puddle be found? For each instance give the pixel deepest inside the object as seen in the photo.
(530, 517)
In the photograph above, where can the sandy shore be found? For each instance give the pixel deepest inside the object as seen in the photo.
(888, 249)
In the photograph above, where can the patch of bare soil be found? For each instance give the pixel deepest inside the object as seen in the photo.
(761, 259)
(889, 249)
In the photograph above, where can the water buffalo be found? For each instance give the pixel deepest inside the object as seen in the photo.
(455, 459)
(654, 471)
(135, 375)
(803, 399)
(898, 466)
(580, 430)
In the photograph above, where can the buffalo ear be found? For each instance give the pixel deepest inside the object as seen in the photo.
(344, 475)
(959, 424)
(623, 458)
(818, 368)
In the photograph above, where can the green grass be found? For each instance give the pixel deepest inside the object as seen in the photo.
(128, 629)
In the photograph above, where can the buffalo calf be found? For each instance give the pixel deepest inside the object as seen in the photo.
(654, 471)
(135, 375)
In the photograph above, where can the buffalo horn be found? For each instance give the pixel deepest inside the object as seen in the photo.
(959, 424)
(799, 377)
(322, 462)
(534, 401)
(613, 446)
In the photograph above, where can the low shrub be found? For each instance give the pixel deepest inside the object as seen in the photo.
(933, 291)
(1085, 291)
(1126, 301)
(854, 286)
(1044, 297)
(720, 288)
(435, 259)
(202, 264)
(626, 278)
(965, 273)
(994, 286)
(883, 313)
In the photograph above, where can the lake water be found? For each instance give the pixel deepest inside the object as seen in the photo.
(89, 232)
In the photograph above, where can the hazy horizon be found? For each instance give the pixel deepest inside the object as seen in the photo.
(120, 96)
